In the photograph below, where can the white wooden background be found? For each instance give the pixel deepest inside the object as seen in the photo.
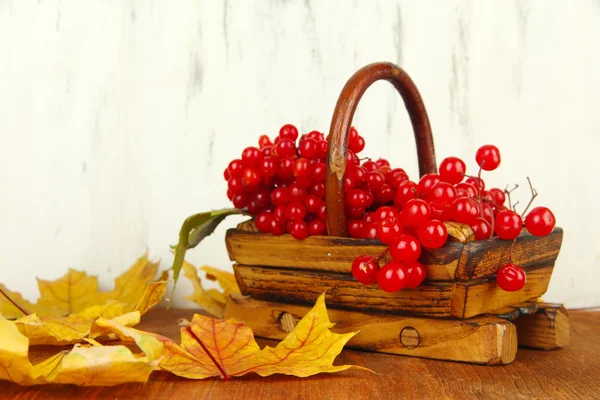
(117, 118)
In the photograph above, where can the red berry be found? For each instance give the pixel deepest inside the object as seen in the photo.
(488, 157)
(286, 168)
(358, 198)
(392, 277)
(356, 229)
(396, 176)
(433, 234)
(466, 190)
(268, 168)
(280, 196)
(288, 131)
(498, 195)
(540, 221)
(285, 148)
(482, 229)
(297, 192)
(374, 179)
(486, 211)
(477, 183)
(322, 149)
(317, 189)
(264, 141)
(303, 169)
(452, 170)
(365, 270)
(308, 148)
(416, 212)
(262, 198)
(385, 194)
(279, 213)
(406, 191)
(318, 173)
(511, 278)
(356, 143)
(385, 212)
(317, 227)
(465, 210)
(371, 230)
(322, 214)
(277, 227)
(416, 274)
(405, 249)
(351, 158)
(313, 203)
(236, 168)
(443, 193)
(369, 166)
(508, 225)
(426, 184)
(298, 229)
(226, 174)
(389, 230)
(240, 200)
(251, 157)
(263, 222)
(369, 217)
(229, 194)
(235, 185)
(295, 211)
(251, 177)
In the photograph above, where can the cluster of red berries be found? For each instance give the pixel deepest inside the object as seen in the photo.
(281, 183)
(419, 213)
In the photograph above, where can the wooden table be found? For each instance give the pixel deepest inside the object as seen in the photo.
(573, 372)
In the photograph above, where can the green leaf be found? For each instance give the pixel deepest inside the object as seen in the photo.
(194, 229)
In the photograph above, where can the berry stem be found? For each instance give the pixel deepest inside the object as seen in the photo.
(510, 254)
(480, 189)
(534, 194)
(382, 255)
(508, 192)
(13, 302)
(514, 207)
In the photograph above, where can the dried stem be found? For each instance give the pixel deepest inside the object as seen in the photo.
(508, 192)
(13, 302)
(534, 194)
(514, 207)
(382, 255)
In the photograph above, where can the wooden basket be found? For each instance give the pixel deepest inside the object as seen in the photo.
(283, 276)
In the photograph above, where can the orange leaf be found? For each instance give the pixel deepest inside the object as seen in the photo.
(227, 348)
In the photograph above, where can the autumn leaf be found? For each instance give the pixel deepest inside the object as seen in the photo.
(134, 290)
(83, 365)
(226, 348)
(212, 300)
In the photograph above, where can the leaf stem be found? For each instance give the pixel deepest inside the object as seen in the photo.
(534, 194)
(208, 353)
(13, 302)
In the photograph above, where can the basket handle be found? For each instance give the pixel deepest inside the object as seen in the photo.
(339, 132)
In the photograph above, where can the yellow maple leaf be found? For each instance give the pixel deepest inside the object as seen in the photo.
(212, 300)
(226, 348)
(83, 365)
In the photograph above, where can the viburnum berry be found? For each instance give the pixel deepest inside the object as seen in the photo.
(298, 229)
(358, 198)
(385, 212)
(392, 277)
(295, 211)
(302, 168)
(508, 225)
(318, 189)
(488, 157)
(240, 200)
(371, 230)
(365, 270)
(236, 168)
(226, 174)
(465, 210)
(289, 132)
(308, 148)
(285, 148)
(440, 211)
(313, 203)
(487, 212)
(235, 185)
(355, 212)
(317, 227)
(369, 166)
(498, 195)
(314, 135)
(482, 229)
(322, 213)
(385, 194)
(374, 179)
(297, 192)
(406, 191)
(355, 142)
(443, 193)
(540, 221)
(389, 230)
(318, 172)
(322, 149)
(432, 234)
(396, 176)
(280, 196)
(416, 212)
(286, 168)
(511, 278)
(263, 222)
(356, 229)
(251, 178)
(369, 217)
(426, 184)
(268, 168)
(452, 170)
(277, 227)
(416, 274)
(477, 183)
(251, 156)
(465, 189)
(264, 141)
(405, 249)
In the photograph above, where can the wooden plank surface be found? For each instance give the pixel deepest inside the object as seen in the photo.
(482, 340)
(557, 374)
(461, 299)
